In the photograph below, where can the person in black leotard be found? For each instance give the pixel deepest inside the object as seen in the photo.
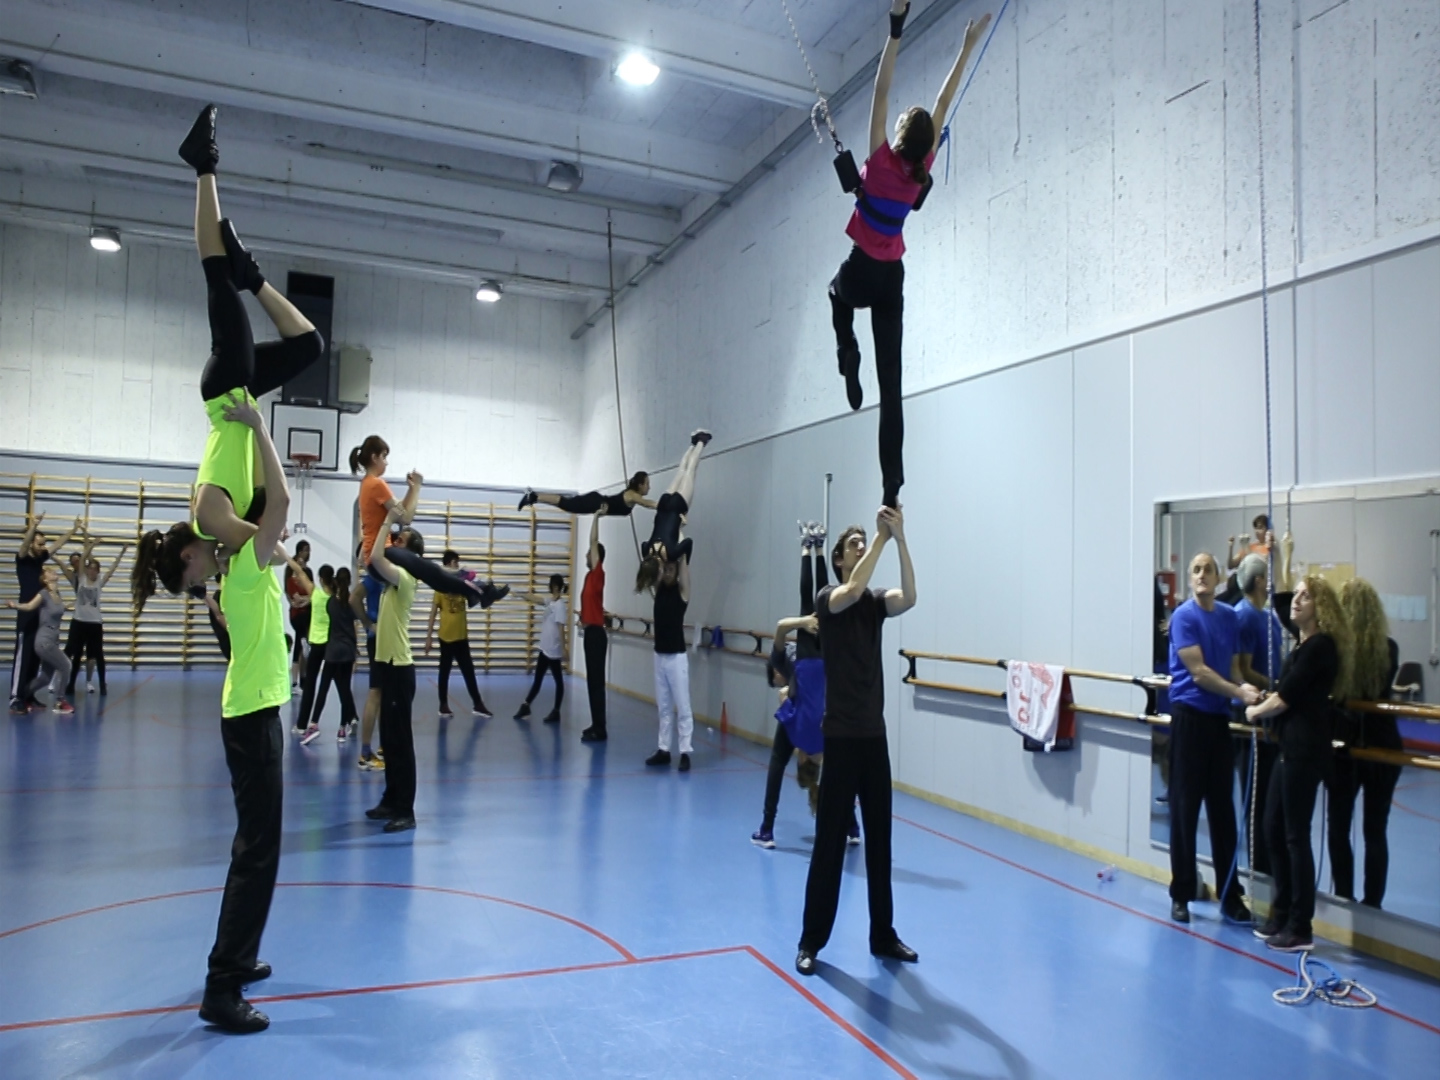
(665, 545)
(618, 505)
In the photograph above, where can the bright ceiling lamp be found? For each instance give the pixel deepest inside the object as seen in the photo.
(637, 70)
(489, 292)
(104, 238)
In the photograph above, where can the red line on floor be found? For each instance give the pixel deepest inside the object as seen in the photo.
(1412, 810)
(855, 1032)
(626, 953)
(110, 704)
(1168, 924)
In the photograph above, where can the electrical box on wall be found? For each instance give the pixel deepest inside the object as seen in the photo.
(352, 378)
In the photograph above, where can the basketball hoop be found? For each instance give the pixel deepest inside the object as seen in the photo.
(303, 463)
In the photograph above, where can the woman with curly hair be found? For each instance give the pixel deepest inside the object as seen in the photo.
(1376, 660)
(1314, 676)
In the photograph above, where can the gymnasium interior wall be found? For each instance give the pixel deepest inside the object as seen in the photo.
(1083, 337)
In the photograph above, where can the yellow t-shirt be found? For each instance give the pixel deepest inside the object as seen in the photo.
(229, 459)
(319, 617)
(453, 626)
(258, 675)
(392, 628)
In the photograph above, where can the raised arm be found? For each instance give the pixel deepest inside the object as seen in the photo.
(115, 565)
(595, 537)
(378, 560)
(79, 526)
(70, 575)
(277, 491)
(898, 601)
(297, 573)
(973, 32)
(30, 531)
(845, 595)
(413, 482)
(880, 102)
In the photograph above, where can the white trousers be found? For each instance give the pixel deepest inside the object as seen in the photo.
(672, 697)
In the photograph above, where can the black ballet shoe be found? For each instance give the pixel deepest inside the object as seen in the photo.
(487, 594)
(805, 962)
(896, 950)
(244, 273)
(700, 436)
(849, 355)
(199, 150)
(527, 500)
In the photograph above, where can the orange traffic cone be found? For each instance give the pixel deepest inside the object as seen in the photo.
(724, 720)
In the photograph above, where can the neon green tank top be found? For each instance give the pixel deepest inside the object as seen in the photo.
(229, 460)
(258, 676)
(319, 617)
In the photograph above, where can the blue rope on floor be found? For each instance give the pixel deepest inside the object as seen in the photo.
(1331, 989)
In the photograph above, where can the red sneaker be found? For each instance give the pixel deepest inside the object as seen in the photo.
(63, 706)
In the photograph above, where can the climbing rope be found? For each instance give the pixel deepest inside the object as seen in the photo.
(821, 109)
(615, 362)
(944, 121)
(1331, 989)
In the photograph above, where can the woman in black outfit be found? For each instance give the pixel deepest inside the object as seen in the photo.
(665, 545)
(1377, 659)
(1301, 710)
(617, 505)
(340, 651)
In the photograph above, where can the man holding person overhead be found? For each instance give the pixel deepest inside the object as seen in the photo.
(1205, 676)
(857, 754)
(592, 628)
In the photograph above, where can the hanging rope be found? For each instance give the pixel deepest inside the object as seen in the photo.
(615, 363)
(821, 109)
(944, 121)
(1332, 990)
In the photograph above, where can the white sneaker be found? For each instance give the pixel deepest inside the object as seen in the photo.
(90, 688)
(311, 734)
(297, 730)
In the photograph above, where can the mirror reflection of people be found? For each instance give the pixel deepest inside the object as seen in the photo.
(1300, 709)
(1204, 678)
(1376, 661)
(1257, 543)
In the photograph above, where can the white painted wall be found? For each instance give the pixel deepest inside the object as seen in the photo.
(101, 355)
(1082, 339)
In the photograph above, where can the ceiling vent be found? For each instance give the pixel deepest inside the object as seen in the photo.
(564, 176)
(17, 78)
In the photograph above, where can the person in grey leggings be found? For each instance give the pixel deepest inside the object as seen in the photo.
(54, 664)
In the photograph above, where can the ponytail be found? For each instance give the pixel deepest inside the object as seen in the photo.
(158, 561)
(637, 481)
(327, 576)
(366, 452)
(342, 583)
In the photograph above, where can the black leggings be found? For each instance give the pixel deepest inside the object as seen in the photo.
(666, 527)
(308, 678)
(87, 639)
(556, 667)
(458, 654)
(807, 645)
(235, 359)
(300, 623)
(591, 501)
(1378, 781)
(1289, 808)
(440, 579)
(866, 282)
(339, 674)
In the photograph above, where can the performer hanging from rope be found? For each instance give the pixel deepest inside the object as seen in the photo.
(618, 505)
(894, 179)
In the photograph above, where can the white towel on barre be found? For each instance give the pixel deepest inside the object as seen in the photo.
(1032, 694)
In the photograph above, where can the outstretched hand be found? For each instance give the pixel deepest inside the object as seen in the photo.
(974, 29)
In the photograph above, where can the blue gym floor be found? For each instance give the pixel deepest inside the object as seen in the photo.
(564, 912)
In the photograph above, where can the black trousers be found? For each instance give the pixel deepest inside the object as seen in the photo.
(300, 626)
(1289, 808)
(853, 767)
(1202, 772)
(309, 677)
(25, 664)
(585, 504)
(254, 746)
(1269, 753)
(556, 667)
(865, 282)
(87, 639)
(812, 580)
(397, 735)
(235, 359)
(1378, 782)
(339, 674)
(458, 653)
(596, 641)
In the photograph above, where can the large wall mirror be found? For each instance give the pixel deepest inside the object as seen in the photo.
(1389, 535)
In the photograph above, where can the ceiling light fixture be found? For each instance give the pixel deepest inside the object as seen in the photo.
(489, 292)
(104, 238)
(564, 176)
(637, 69)
(17, 77)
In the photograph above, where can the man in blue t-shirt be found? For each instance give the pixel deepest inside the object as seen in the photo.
(1260, 648)
(1204, 676)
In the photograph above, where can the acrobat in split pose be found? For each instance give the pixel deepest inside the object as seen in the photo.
(665, 545)
(894, 179)
(798, 672)
(618, 505)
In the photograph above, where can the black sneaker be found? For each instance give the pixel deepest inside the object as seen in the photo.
(523, 713)
(244, 272)
(684, 762)
(659, 757)
(849, 355)
(701, 436)
(1288, 940)
(805, 962)
(400, 824)
(486, 594)
(199, 150)
(526, 501)
(1179, 911)
(229, 1011)
(591, 735)
(896, 950)
(259, 973)
(381, 812)
(1269, 928)
(1236, 911)
(552, 717)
